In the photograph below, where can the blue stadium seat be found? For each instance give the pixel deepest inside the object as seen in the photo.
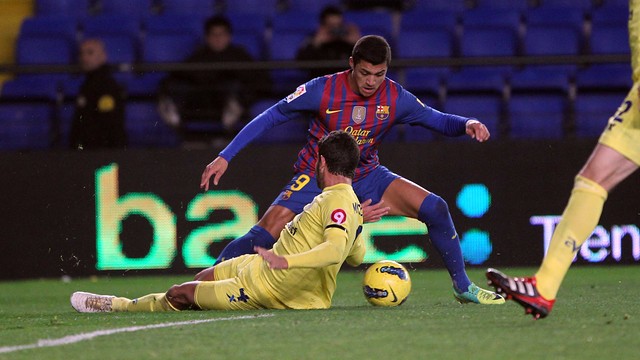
(502, 4)
(604, 78)
(610, 15)
(30, 88)
(536, 117)
(167, 48)
(25, 126)
(43, 50)
(299, 21)
(593, 111)
(615, 3)
(311, 6)
(413, 134)
(424, 43)
(551, 40)
(547, 15)
(265, 7)
(62, 26)
(454, 5)
(137, 8)
(252, 43)
(495, 41)
(372, 22)
(609, 39)
(202, 8)
(481, 41)
(491, 17)
(422, 19)
(145, 128)
(284, 45)
(542, 79)
(120, 49)
(487, 109)
(425, 82)
(249, 23)
(75, 8)
(577, 4)
(112, 24)
(176, 24)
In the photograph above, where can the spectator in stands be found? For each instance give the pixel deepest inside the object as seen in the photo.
(333, 40)
(98, 121)
(217, 95)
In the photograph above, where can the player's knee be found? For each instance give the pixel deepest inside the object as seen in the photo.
(433, 208)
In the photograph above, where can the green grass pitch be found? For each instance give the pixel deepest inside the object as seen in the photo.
(597, 316)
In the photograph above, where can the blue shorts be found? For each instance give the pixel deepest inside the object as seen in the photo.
(303, 188)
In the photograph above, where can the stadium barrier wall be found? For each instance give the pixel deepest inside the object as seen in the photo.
(142, 211)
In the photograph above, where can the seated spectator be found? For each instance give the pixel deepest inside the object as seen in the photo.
(216, 95)
(333, 40)
(98, 121)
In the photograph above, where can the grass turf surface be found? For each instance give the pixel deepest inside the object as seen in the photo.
(596, 317)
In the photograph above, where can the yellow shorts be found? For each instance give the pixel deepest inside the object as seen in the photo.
(236, 286)
(623, 129)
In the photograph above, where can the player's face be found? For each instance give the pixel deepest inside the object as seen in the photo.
(366, 78)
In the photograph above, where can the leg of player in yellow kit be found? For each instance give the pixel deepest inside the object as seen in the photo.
(605, 169)
(579, 219)
(88, 302)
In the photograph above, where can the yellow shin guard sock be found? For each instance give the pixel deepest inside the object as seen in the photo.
(579, 219)
(147, 303)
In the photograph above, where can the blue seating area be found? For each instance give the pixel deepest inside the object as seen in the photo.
(503, 96)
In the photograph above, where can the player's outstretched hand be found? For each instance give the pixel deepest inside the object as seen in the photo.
(478, 131)
(216, 168)
(275, 261)
(375, 212)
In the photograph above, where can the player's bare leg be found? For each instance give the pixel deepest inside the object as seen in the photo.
(405, 198)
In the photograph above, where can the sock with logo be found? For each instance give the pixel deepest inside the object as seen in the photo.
(148, 303)
(434, 212)
(257, 236)
(579, 219)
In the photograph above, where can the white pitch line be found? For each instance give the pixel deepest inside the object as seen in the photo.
(71, 339)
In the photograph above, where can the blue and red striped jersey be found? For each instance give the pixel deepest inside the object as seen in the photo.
(330, 104)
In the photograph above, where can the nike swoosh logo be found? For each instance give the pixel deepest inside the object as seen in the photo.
(329, 112)
(395, 298)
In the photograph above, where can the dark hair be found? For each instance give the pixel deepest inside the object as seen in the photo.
(341, 153)
(329, 11)
(372, 48)
(217, 20)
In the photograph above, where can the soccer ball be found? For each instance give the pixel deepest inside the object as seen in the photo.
(386, 283)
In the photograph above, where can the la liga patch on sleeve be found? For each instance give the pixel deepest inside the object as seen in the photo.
(338, 216)
(296, 94)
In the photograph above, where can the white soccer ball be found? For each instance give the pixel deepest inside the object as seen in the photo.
(386, 283)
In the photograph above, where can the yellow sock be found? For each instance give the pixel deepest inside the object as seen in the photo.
(147, 303)
(579, 219)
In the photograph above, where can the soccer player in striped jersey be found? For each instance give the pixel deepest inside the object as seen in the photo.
(615, 157)
(365, 103)
(299, 273)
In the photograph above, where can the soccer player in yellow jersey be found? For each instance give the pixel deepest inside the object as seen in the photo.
(298, 273)
(615, 157)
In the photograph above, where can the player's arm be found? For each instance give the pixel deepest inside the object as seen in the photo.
(329, 252)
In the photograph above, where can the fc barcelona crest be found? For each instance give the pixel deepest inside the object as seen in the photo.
(382, 112)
